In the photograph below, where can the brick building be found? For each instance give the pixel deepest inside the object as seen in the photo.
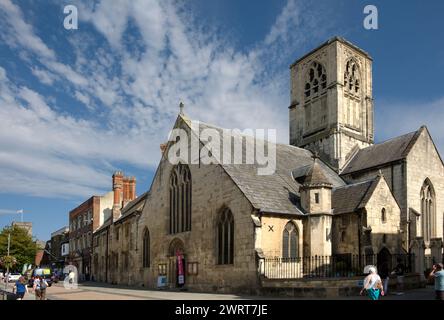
(91, 215)
(58, 238)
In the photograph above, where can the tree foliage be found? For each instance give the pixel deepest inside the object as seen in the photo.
(22, 247)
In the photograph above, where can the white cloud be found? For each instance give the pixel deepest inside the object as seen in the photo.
(22, 32)
(16, 31)
(37, 104)
(44, 76)
(82, 98)
(286, 22)
(43, 148)
(133, 98)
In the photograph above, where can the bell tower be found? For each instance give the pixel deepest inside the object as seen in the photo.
(331, 109)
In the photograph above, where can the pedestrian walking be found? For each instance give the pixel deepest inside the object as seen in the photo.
(399, 272)
(71, 277)
(20, 288)
(438, 275)
(384, 273)
(372, 285)
(40, 286)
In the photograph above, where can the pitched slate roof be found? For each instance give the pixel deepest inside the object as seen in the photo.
(316, 175)
(133, 206)
(105, 225)
(278, 192)
(379, 154)
(349, 198)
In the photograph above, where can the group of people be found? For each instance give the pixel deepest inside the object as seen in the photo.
(39, 287)
(375, 287)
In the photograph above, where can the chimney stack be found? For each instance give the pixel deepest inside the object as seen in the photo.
(132, 188)
(126, 190)
(117, 189)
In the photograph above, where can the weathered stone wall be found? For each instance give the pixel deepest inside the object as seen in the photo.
(272, 233)
(345, 233)
(384, 234)
(99, 255)
(212, 190)
(329, 288)
(394, 174)
(334, 121)
(308, 199)
(317, 241)
(423, 162)
(406, 178)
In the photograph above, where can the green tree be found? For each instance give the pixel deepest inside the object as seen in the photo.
(22, 247)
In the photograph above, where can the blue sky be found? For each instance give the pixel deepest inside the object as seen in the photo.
(76, 105)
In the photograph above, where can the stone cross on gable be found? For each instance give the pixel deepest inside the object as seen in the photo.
(181, 106)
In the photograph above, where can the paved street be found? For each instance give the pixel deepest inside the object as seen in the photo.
(95, 291)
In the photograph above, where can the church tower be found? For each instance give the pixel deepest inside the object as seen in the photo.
(331, 109)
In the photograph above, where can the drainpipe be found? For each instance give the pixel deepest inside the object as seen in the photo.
(359, 236)
(258, 253)
(106, 255)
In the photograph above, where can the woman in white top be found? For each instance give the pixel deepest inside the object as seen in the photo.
(372, 285)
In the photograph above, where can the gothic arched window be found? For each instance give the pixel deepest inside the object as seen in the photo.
(180, 199)
(290, 240)
(316, 80)
(351, 77)
(146, 249)
(343, 236)
(225, 237)
(427, 210)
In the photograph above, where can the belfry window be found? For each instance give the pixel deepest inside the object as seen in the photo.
(225, 237)
(351, 77)
(290, 241)
(180, 199)
(316, 80)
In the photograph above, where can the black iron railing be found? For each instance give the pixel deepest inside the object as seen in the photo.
(334, 266)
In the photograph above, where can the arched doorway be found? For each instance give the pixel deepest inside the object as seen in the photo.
(177, 263)
(384, 262)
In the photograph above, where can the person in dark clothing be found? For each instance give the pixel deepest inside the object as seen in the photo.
(384, 273)
(399, 272)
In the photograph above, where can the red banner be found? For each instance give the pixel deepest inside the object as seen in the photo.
(180, 269)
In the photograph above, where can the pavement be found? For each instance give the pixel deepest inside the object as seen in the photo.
(100, 291)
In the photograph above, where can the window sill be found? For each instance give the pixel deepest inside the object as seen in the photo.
(181, 232)
(224, 265)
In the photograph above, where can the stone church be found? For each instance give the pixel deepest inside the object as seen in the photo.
(209, 227)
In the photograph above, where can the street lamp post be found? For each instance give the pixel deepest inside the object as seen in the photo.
(7, 265)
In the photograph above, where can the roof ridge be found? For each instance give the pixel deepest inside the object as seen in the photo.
(394, 138)
(371, 188)
(356, 183)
